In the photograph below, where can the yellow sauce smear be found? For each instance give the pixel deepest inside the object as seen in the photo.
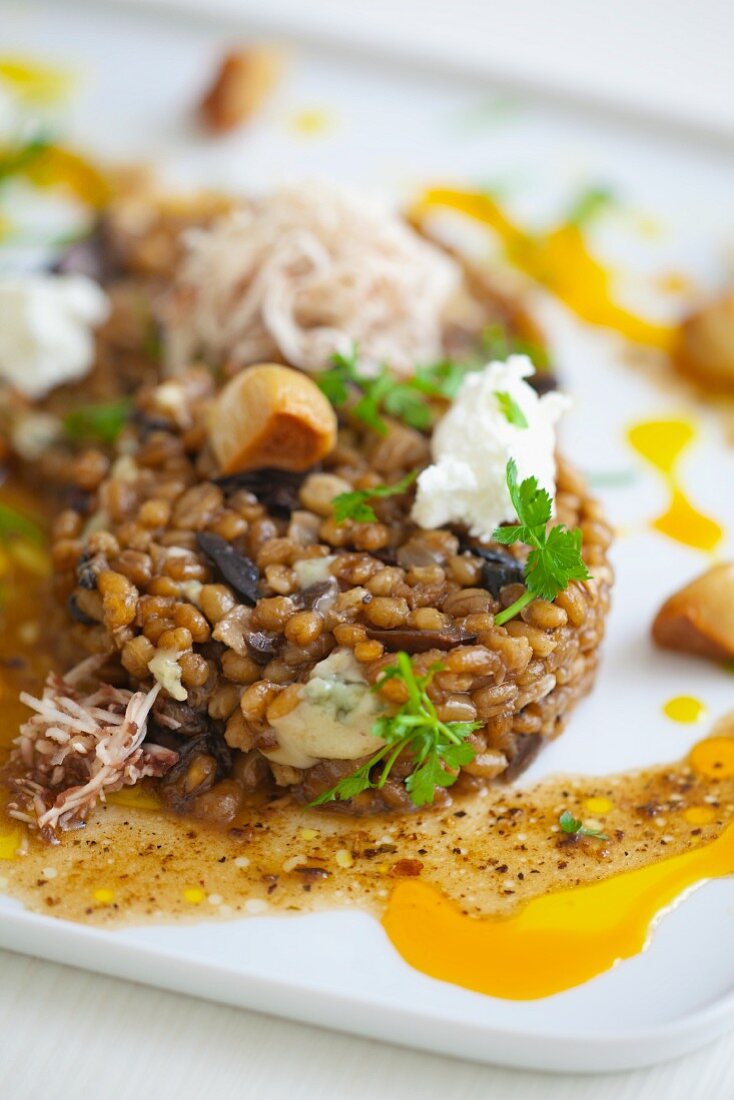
(37, 84)
(559, 260)
(561, 939)
(662, 443)
(557, 941)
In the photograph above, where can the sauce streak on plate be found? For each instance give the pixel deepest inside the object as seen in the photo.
(662, 443)
(559, 260)
(561, 939)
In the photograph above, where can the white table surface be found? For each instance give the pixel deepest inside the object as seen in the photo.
(64, 1033)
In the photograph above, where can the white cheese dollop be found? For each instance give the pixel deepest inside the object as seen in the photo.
(46, 324)
(473, 443)
(334, 718)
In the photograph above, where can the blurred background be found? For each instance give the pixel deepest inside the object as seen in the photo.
(665, 58)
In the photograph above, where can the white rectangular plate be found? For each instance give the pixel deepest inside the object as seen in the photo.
(393, 129)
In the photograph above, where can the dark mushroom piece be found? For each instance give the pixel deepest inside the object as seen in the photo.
(277, 490)
(498, 567)
(420, 641)
(239, 571)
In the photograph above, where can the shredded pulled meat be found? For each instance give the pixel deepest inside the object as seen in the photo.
(79, 746)
(304, 273)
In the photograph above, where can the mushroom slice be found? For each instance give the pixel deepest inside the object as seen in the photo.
(270, 415)
(700, 617)
(705, 350)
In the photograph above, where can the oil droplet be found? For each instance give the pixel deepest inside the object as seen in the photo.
(34, 82)
(139, 798)
(662, 443)
(256, 906)
(713, 757)
(558, 259)
(312, 122)
(598, 805)
(344, 858)
(194, 895)
(557, 940)
(10, 842)
(684, 708)
(309, 834)
(103, 896)
(699, 815)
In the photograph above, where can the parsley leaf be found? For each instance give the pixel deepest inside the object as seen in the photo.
(498, 343)
(575, 827)
(439, 748)
(510, 409)
(555, 555)
(589, 204)
(15, 524)
(102, 422)
(334, 383)
(17, 159)
(354, 504)
(443, 379)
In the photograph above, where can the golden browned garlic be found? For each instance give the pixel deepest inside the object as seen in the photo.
(271, 415)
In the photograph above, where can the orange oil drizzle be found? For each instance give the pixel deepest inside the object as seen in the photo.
(562, 939)
(662, 443)
(558, 259)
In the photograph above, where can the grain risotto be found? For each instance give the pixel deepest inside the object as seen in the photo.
(242, 573)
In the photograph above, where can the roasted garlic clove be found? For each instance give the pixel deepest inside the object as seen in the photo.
(271, 416)
(705, 351)
(700, 617)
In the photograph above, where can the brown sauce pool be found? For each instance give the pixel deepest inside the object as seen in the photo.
(491, 853)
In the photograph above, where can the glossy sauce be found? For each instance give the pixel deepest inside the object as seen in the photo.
(663, 443)
(498, 855)
(559, 260)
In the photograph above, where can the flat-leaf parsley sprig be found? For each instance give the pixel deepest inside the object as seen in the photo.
(381, 393)
(355, 504)
(555, 556)
(439, 749)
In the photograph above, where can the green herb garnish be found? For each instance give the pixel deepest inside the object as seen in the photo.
(15, 524)
(555, 558)
(19, 158)
(510, 409)
(499, 344)
(575, 827)
(439, 748)
(354, 504)
(409, 399)
(589, 204)
(383, 393)
(102, 422)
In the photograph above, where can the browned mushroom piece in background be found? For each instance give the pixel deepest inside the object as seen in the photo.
(243, 81)
(699, 618)
(705, 348)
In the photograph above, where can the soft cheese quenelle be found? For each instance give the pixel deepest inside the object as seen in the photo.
(46, 324)
(496, 416)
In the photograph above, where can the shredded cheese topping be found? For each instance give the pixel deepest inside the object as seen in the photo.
(307, 272)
